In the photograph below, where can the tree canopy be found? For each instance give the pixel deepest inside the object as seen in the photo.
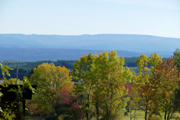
(102, 82)
(50, 79)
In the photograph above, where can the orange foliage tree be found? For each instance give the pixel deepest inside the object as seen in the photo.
(163, 84)
(141, 82)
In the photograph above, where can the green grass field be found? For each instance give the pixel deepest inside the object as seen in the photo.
(139, 115)
(136, 115)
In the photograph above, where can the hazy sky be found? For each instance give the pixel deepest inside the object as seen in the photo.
(75, 17)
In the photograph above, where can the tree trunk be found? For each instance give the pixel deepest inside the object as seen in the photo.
(169, 113)
(111, 101)
(146, 113)
(87, 116)
(87, 111)
(165, 114)
(97, 111)
(107, 113)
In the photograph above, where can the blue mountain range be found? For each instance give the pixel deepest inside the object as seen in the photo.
(52, 47)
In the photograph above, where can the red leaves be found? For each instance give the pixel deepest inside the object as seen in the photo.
(67, 105)
(129, 87)
(64, 97)
(32, 108)
(166, 71)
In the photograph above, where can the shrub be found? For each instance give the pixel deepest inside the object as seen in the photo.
(67, 106)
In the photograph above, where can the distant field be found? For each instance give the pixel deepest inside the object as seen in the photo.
(139, 115)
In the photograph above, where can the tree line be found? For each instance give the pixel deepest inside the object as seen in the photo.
(25, 68)
(107, 89)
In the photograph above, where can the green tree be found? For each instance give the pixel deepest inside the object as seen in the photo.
(111, 77)
(103, 79)
(176, 56)
(5, 70)
(7, 113)
(82, 70)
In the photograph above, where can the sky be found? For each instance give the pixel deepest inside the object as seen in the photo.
(77, 17)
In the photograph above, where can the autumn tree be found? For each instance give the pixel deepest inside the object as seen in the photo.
(141, 82)
(176, 56)
(49, 79)
(163, 83)
(103, 78)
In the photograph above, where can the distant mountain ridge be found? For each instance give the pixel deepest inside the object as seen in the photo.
(54, 54)
(131, 45)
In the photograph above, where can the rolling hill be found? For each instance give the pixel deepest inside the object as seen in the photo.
(19, 47)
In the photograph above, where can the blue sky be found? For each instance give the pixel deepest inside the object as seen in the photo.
(76, 17)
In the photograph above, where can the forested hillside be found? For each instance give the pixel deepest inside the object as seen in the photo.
(53, 54)
(24, 68)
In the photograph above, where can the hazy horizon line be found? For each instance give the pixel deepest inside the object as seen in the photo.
(89, 34)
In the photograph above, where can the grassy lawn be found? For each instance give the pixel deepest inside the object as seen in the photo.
(139, 115)
(135, 115)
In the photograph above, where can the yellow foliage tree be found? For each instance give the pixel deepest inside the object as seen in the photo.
(49, 79)
(141, 82)
(111, 78)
